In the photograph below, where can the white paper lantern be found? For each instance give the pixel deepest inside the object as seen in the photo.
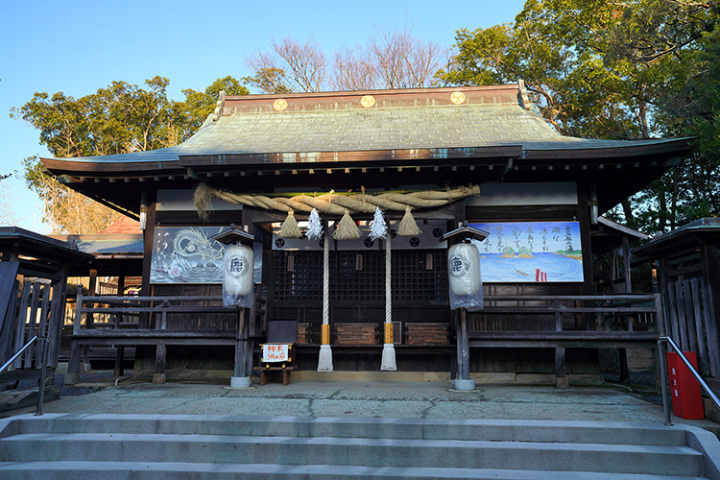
(464, 268)
(238, 263)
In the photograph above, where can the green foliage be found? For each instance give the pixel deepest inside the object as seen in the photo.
(120, 118)
(616, 70)
(198, 105)
(269, 80)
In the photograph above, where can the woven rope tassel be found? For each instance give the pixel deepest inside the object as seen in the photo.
(408, 227)
(325, 356)
(290, 227)
(388, 354)
(347, 229)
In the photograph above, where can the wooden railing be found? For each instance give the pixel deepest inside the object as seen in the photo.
(559, 322)
(544, 321)
(161, 321)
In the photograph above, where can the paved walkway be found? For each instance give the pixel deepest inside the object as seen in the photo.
(368, 399)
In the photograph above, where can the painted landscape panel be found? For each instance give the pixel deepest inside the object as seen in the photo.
(531, 252)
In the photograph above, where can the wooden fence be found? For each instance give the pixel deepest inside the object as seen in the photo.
(690, 323)
(30, 314)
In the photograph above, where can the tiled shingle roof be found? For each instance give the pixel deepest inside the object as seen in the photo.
(399, 120)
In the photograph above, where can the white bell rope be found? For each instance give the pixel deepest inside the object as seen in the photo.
(325, 356)
(388, 355)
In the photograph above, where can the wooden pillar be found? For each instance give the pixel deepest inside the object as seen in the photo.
(160, 356)
(19, 329)
(119, 370)
(560, 359)
(92, 292)
(31, 324)
(626, 264)
(584, 220)
(148, 242)
(10, 285)
(121, 285)
(89, 318)
(622, 353)
(240, 369)
(73, 370)
(561, 368)
(464, 346)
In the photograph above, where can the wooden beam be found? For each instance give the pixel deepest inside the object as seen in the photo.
(148, 243)
(240, 367)
(561, 367)
(160, 357)
(586, 245)
(464, 346)
(9, 287)
(626, 264)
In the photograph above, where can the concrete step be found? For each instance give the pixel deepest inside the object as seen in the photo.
(429, 429)
(275, 447)
(212, 471)
(94, 447)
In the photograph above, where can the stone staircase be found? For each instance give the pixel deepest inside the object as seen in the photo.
(160, 447)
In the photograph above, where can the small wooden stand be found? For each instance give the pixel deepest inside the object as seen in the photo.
(285, 365)
(285, 369)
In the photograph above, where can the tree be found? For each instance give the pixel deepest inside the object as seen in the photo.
(288, 67)
(198, 105)
(66, 211)
(599, 69)
(391, 59)
(121, 118)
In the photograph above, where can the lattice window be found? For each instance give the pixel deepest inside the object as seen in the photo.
(298, 277)
(417, 276)
(350, 285)
(414, 279)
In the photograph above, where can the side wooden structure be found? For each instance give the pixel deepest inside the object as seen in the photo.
(686, 265)
(33, 278)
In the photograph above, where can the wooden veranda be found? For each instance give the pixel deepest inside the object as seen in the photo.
(532, 323)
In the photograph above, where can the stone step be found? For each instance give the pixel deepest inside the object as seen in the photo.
(74, 470)
(123, 447)
(196, 446)
(429, 429)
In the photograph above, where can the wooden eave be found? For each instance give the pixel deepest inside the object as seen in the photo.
(75, 168)
(617, 176)
(37, 254)
(612, 157)
(680, 240)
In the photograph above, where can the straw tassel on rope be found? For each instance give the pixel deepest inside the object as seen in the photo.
(290, 227)
(325, 356)
(347, 229)
(408, 227)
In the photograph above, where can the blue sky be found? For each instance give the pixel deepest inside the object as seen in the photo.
(77, 47)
